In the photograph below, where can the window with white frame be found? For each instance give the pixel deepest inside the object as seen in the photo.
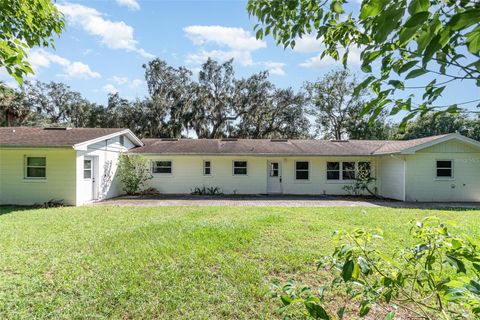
(348, 170)
(302, 170)
(333, 170)
(87, 169)
(163, 167)
(240, 168)
(207, 168)
(35, 167)
(444, 168)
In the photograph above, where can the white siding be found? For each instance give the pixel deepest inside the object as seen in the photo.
(187, 173)
(391, 177)
(422, 184)
(58, 185)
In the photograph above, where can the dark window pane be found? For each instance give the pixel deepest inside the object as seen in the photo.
(444, 172)
(333, 175)
(207, 163)
(302, 165)
(240, 164)
(36, 172)
(348, 175)
(207, 171)
(444, 164)
(122, 140)
(87, 164)
(164, 163)
(301, 175)
(164, 170)
(349, 166)
(333, 165)
(36, 161)
(240, 171)
(87, 174)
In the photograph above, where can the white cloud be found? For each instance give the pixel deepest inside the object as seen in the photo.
(39, 58)
(119, 80)
(114, 34)
(275, 67)
(110, 88)
(136, 83)
(317, 62)
(308, 44)
(130, 4)
(238, 42)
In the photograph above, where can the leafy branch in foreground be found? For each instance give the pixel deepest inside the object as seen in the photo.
(398, 41)
(435, 278)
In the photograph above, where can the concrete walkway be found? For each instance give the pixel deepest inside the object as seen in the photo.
(279, 201)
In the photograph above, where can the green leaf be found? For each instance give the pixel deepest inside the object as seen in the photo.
(456, 263)
(347, 270)
(316, 311)
(364, 309)
(406, 34)
(390, 316)
(337, 7)
(464, 19)
(371, 8)
(418, 6)
(259, 34)
(415, 73)
(473, 41)
(417, 19)
(407, 66)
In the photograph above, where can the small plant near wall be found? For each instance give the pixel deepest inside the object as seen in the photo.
(437, 277)
(206, 191)
(133, 171)
(362, 183)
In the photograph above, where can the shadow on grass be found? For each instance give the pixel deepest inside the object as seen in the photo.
(6, 209)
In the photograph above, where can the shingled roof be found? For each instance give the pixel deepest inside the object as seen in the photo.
(276, 147)
(52, 137)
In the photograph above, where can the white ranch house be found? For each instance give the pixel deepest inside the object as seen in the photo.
(79, 165)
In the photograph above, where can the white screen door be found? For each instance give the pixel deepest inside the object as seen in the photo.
(274, 177)
(89, 177)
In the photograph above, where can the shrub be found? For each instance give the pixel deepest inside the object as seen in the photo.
(361, 184)
(133, 171)
(435, 278)
(210, 191)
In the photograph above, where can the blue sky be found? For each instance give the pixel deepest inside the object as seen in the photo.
(106, 42)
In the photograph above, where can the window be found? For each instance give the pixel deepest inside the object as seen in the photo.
(333, 170)
(239, 167)
(301, 170)
(364, 169)
(274, 169)
(122, 140)
(162, 167)
(87, 169)
(35, 167)
(348, 170)
(207, 168)
(444, 169)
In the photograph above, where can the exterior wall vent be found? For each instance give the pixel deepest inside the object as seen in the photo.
(56, 128)
(229, 139)
(279, 140)
(333, 140)
(169, 139)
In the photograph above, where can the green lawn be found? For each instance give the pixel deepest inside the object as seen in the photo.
(174, 262)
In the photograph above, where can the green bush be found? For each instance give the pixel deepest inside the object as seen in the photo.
(435, 278)
(133, 171)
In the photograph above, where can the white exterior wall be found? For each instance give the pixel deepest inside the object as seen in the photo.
(187, 173)
(58, 185)
(106, 154)
(422, 184)
(391, 177)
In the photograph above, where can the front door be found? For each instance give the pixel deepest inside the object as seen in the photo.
(89, 177)
(274, 178)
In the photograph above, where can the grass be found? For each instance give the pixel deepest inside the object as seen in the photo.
(174, 262)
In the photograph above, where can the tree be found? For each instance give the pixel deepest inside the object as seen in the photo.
(133, 172)
(398, 41)
(431, 125)
(12, 107)
(263, 111)
(337, 111)
(23, 25)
